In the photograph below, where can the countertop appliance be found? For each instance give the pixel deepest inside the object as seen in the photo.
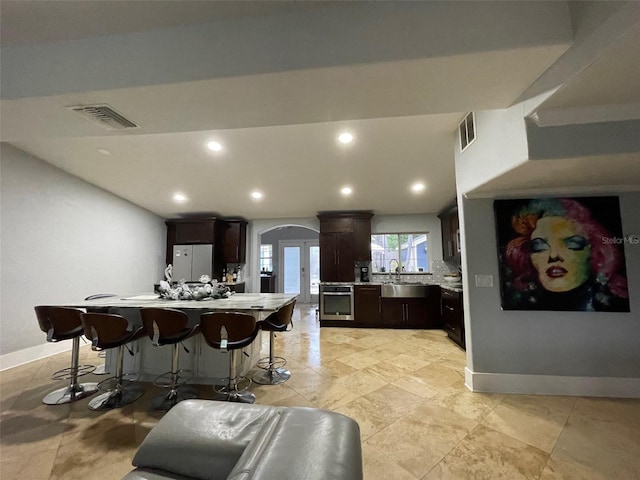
(336, 302)
(364, 274)
(190, 262)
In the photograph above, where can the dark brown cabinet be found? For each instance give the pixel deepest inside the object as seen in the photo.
(367, 305)
(267, 284)
(362, 239)
(412, 312)
(233, 236)
(371, 310)
(453, 316)
(405, 312)
(336, 257)
(189, 231)
(450, 236)
(345, 238)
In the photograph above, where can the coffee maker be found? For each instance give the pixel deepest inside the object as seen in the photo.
(364, 274)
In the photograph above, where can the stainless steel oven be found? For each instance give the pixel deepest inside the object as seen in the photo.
(336, 302)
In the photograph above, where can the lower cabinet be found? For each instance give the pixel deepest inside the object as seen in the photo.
(367, 305)
(236, 287)
(372, 310)
(405, 312)
(268, 284)
(452, 316)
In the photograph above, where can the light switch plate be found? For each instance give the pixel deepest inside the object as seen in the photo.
(485, 281)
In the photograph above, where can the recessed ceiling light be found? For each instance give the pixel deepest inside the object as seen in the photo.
(418, 187)
(104, 151)
(256, 195)
(215, 146)
(345, 137)
(179, 197)
(346, 191)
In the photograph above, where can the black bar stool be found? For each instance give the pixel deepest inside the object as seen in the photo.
(167, 326)
(61, 323)
(100, 369)
(107, 330)
(230, 331)
(273, 367)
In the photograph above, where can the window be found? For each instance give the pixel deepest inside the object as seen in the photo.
(407, 251)
(266, 257)
(467, 130)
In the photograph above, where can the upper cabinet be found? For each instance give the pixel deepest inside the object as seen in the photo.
(450, 236)
(233, 237)
(336, 257)
(345, 238)
(189, 231)
(362, 238)
(228, 237)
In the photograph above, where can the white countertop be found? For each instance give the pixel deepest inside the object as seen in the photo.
(237, 301)
(453, 286)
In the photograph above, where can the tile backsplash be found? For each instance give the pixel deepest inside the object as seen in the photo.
(439, 269)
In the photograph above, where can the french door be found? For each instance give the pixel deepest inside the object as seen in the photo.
(300, 267)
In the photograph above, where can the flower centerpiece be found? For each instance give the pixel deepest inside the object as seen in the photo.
(206, 289)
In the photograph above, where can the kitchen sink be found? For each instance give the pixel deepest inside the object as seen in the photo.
(404, 290)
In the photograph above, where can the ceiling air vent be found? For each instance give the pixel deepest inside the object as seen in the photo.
(104, 115)
(467, 131)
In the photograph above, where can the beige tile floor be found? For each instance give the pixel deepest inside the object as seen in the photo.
(404, 387)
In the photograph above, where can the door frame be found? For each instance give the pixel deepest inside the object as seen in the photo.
(305, 295)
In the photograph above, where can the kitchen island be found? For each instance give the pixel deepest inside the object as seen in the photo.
(208, 365)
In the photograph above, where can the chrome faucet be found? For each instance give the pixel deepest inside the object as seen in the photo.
(397, 268)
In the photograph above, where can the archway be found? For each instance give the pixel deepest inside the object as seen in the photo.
(292, 240)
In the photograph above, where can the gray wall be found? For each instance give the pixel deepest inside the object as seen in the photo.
(538, 352)
(63, 239)
(590, 344)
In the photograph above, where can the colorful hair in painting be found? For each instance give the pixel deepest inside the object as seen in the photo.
(605, 257)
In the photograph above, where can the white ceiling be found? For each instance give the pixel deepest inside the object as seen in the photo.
(275, 82)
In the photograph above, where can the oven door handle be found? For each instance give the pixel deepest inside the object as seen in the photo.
(337, 294)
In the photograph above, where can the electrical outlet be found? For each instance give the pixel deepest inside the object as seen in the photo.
(485, 281)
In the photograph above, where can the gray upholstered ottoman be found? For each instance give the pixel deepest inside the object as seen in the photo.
(203, 439)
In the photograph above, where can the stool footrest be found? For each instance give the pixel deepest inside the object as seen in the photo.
(242, 385)
(265, 364)
(68, 373)
(167, 380)
(112, 383)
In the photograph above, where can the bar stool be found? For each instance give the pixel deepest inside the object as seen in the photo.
(230, 331)
(108, 330)
(167, 326)
(273, 367)
(61, 323)
(100, 369)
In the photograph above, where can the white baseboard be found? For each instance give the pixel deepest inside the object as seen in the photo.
(14, 359)
(615, 387)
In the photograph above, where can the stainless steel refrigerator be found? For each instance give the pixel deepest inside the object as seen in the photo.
(190, 262)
